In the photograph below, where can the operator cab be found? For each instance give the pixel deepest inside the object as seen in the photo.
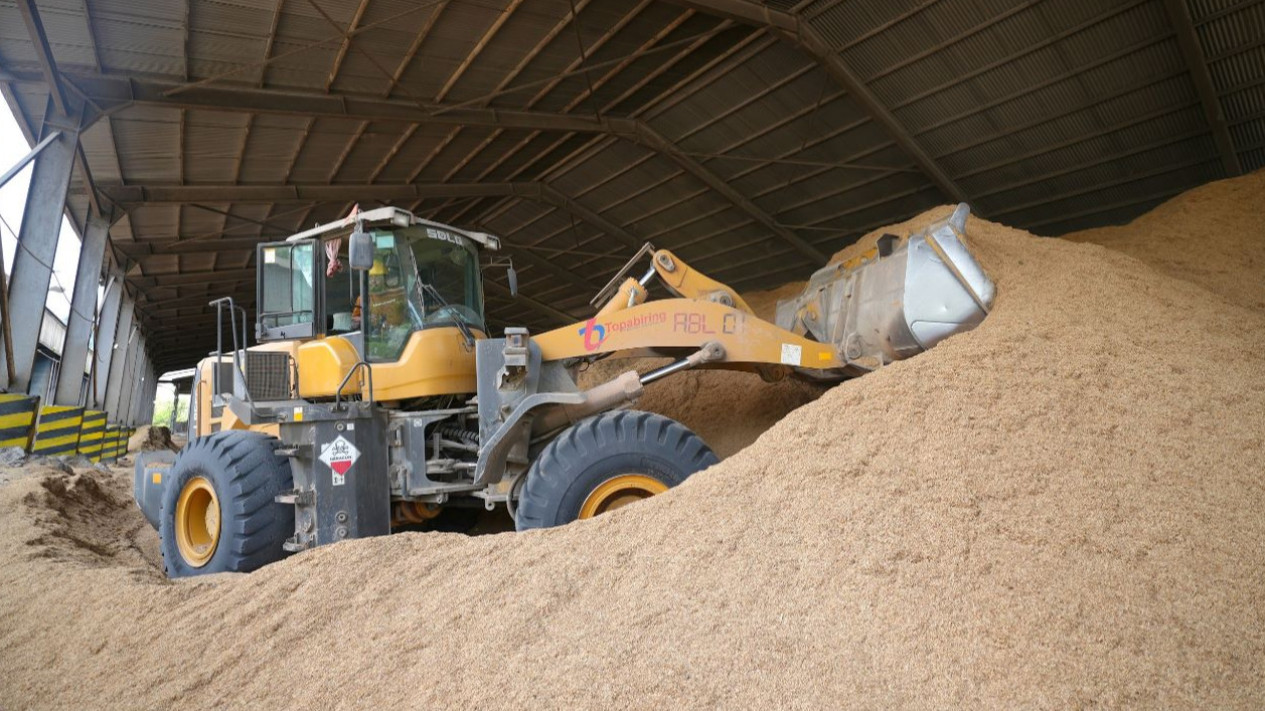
(424, 275)
(412, 312)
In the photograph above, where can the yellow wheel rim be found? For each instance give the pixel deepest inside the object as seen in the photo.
(197, 522)
(620, 491)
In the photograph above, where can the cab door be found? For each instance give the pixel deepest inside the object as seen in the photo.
(289, 297)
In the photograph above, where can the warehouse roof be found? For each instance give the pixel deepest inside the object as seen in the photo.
(752, 139)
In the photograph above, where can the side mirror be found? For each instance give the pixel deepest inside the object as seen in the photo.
(360, 250)
(512, 276)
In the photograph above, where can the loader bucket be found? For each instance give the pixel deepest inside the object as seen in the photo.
(895, 301)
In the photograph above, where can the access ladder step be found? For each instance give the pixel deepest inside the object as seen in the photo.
(297, 497)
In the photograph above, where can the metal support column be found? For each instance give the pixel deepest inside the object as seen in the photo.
(131, 394)
(134, 415)
(103, 348)
(121, 345)
(134, 395)
(127, 384)
(143, 378)
(147, 414)
(83, 306)
(37, 242)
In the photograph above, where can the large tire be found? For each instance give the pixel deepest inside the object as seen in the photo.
(617, 448)
(232, 476)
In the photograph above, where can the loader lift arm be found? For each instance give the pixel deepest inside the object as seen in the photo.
(702, 312)
(886, 304)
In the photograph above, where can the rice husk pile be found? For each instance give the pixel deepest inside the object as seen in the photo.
(1059, 509)
(1213, 235)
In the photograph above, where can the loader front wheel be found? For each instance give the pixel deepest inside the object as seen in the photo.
(218, 514)
(606, 462)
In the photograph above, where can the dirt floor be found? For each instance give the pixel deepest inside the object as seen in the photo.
(1060, 509)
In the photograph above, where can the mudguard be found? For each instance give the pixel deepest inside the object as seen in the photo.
(149, 479)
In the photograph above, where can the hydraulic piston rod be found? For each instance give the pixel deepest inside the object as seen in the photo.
(710, 351)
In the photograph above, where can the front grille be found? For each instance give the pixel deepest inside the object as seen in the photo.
(268, 376)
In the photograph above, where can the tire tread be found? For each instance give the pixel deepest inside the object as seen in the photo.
(586, 444)
(247, 474)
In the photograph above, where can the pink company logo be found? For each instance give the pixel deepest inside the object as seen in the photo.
(594, 333)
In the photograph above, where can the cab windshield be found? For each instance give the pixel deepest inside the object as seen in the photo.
(422, 277)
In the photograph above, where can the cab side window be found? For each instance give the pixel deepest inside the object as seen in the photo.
(287, 297)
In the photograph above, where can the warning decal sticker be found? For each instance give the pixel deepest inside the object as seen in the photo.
(339, 455)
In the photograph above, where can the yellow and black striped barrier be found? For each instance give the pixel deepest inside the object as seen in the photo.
(17, 420)
(109, 443)
(92, 435)
(58, 430)
(120, 441)
(124, 437)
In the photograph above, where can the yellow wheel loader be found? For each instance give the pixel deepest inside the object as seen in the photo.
(375, 397)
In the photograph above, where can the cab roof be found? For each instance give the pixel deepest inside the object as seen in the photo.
(396, 216)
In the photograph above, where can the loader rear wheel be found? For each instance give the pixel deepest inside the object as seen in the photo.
(605, 462)
(218, 514)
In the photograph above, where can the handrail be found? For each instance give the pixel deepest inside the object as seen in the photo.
(233, 308)
(338, 394)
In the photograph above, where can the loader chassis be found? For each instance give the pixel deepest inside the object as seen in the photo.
(407, 407)
(341, 482)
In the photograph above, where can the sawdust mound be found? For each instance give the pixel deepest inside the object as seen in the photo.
(728, 409)
(148, 438)
(86, 517)
(1059, 509)
(1213, 236)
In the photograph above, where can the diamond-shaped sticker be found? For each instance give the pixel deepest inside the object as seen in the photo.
(339, 456)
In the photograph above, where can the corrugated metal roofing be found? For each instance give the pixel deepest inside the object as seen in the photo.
(1051, 115)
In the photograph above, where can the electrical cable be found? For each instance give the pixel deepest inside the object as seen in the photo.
(51, 271)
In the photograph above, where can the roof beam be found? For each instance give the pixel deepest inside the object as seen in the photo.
(48, 65)
(184, 43)
(422, 33)
(346, 45)
(661, 145)
(155, 304)
(222, 276)
(141, 249)
(478, 48)
(303, 192)
(92, 35)
(551, 195)
(180, 315)
(107, 90)
(183, 194)
(270, 41)
(231, 193)
(113, 91)
(537, 306)
(202, 328)
(1192, 51)
(803, 35)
